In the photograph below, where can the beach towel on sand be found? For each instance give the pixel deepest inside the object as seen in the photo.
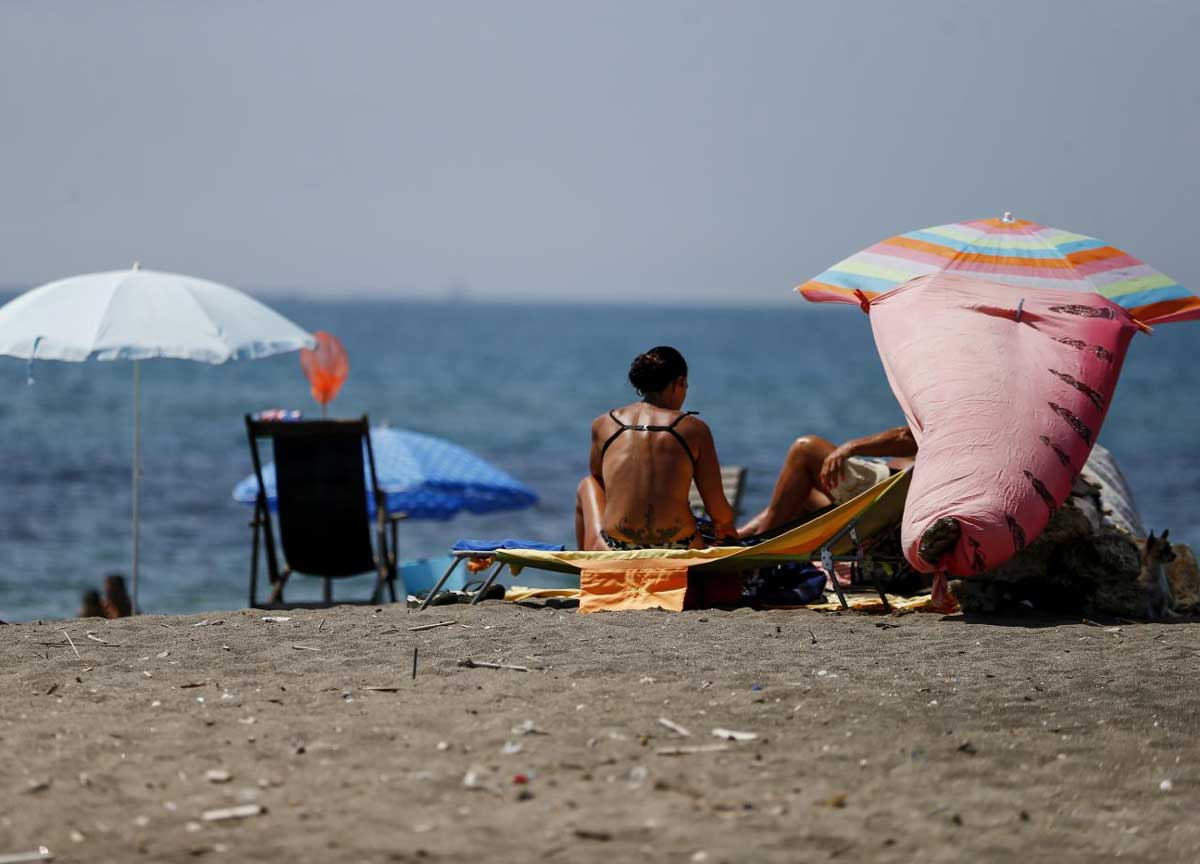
(1005, 407)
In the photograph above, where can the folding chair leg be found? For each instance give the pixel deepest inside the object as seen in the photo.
(864, 562)
(254, 562)
(438, 587)
(488, 583)
(827, 565)
(277, 588)
(385, 577)
(877, 578)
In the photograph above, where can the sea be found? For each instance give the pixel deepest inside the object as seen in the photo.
(517, 384)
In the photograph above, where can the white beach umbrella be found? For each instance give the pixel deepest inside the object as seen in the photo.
(137, 315)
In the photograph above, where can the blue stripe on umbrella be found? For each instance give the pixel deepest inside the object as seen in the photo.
(424, 477)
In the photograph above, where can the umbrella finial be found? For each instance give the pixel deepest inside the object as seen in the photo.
(1007, 217)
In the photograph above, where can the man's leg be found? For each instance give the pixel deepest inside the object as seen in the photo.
(797, 491)
(589, 515)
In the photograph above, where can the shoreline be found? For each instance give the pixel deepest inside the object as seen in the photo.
(876, 738)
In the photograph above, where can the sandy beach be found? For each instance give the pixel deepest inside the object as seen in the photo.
(913, 737)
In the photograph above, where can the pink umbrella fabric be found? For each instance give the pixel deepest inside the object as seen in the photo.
(1005, 391)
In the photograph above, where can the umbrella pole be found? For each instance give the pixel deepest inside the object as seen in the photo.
(137, 474)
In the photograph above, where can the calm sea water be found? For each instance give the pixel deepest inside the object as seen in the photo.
(517, 384)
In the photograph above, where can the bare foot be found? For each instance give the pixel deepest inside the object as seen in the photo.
(942, 600)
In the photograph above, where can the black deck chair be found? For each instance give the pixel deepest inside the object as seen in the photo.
(324, 524)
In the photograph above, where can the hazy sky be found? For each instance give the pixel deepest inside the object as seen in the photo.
(707, 151)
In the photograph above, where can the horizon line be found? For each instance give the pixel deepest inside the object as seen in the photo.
(310, 294)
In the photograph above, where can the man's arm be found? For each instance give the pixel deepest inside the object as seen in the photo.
(890, 442)
(708, 480)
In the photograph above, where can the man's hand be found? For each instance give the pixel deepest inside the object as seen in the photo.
(834, 467)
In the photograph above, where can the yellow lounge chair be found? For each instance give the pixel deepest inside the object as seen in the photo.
(649, 578)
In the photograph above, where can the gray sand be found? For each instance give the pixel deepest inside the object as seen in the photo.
(878, 738)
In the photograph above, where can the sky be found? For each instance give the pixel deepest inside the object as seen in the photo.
(671, 152)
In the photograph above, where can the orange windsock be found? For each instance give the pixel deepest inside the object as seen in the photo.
(325, 366)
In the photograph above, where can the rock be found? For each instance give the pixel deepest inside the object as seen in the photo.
(1082, 563)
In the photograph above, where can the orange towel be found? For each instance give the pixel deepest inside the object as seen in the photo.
(609, 586)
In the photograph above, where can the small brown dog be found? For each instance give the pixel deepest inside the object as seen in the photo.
(1183, 574)
(1153, 577)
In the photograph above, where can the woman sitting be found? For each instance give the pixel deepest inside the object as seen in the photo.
(644, 458)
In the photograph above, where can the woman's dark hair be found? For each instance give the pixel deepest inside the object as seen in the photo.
(656, 369)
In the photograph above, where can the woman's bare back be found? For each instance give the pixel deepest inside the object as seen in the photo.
(647, 474)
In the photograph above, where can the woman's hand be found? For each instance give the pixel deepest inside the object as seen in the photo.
(834, 467)
(725, 531)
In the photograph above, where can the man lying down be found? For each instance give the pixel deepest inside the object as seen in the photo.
(817, 473)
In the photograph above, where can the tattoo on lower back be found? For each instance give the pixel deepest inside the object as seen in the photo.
(648, 534)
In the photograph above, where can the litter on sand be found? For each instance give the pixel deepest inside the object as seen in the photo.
(39, 854)
(674, 727)
(687, 751)
(734, 735)
(242, 811)
(483, 664)
(431, 626)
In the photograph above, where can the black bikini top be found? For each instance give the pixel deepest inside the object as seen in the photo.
(641, 428)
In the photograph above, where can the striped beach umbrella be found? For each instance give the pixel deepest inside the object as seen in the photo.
(1014, 252)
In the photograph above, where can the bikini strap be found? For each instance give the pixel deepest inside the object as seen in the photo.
(682, 443)
(650, 428)
(621, 427)
(675, 422)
